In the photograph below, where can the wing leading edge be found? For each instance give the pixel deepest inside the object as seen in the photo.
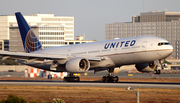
(28, 56)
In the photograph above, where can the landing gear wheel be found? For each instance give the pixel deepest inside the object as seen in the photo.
(71, 79)
(76, 79)
(110, 78)
(116, 79)
(157, 72)
(104, 79)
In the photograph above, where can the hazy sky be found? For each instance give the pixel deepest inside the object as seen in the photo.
(90, 16)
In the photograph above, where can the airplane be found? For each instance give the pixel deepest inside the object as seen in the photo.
(142, 51)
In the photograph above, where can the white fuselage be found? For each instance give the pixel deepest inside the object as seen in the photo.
(114, 53)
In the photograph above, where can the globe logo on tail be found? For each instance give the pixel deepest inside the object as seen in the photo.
(31, 42)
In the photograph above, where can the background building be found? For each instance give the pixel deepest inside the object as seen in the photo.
(51, 30)
(4, 45)
(15, 42)
(162, 24)
(79, 40)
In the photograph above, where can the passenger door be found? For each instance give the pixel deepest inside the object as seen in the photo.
(144, 45)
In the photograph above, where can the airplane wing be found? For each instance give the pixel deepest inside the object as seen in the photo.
(39, 57)
(30, 56)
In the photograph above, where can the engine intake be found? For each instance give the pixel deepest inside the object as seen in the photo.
(77, 65)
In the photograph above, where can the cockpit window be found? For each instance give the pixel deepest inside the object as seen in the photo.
(163, 43)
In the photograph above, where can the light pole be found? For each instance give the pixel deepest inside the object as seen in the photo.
(137, 93)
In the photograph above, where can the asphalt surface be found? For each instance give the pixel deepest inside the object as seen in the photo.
(92, 84)
(101, 74)
(95, 83)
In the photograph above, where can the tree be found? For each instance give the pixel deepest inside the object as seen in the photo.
(8, 62)
(14, 99)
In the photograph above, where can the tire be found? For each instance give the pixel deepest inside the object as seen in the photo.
(75, 79)
(105, 79)
(157, 72)
(110, 79)
(64, 79)
(67, 79)
(116, 78)
(71, 79)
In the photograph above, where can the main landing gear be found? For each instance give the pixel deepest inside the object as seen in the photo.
(71, 78)
(110, 77)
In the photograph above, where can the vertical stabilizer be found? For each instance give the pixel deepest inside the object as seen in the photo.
(29, 39)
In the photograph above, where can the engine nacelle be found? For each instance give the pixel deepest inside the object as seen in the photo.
(146, 67)
(77, 65)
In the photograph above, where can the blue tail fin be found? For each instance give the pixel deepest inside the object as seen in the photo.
(29, 39)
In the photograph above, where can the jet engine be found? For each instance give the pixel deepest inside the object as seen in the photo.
(77, 65)
(146, 67)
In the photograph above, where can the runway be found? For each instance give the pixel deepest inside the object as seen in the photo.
(92, 84)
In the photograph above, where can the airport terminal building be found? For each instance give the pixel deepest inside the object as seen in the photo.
(50, 29)
(162, 24)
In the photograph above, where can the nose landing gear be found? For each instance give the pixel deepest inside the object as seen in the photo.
(157, 71)
(159, 64)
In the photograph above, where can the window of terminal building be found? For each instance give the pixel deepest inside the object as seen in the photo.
(0, 45)
(6, 46)
(6, 42)
(77, 42)
(70, 43)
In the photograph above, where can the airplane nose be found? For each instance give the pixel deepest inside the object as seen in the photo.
(170, 49)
